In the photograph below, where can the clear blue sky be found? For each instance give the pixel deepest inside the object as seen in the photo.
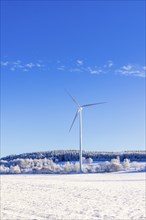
(94, 49)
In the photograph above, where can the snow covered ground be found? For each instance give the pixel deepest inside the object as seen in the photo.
(107, 196)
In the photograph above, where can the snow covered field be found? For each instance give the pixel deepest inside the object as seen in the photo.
(107, 196)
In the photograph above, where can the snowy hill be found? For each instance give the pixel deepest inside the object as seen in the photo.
(73, 155)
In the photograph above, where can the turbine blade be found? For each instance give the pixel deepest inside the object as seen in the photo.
(73, 120)
(98, 103)
(72, 98)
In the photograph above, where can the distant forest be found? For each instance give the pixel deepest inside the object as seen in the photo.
(73, 155)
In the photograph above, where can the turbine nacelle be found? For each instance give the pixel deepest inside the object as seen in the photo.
(80, 109)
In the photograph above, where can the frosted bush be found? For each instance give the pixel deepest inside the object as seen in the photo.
(98, 168)
(126, 164)
(45, 161)
(91, 168)
(142, 167)
(77, 167)
(4, 169)
(58, 168)
(21, 163)
(15, 169)
(84, 168)
(135, 165)
(36, 162)
(55, 168)
(115, 165)
(67, 167)
(89, 160)
(106, 167)
(50, 167)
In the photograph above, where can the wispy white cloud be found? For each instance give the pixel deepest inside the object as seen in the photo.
(95, 70)
(62, 68)
(75, 70)
(109, 64)
(78, 66)
(39, 65)
(30, 65)
(132, 70)
(127, 68)
(80, 62)
(19, 65)
(4, 63)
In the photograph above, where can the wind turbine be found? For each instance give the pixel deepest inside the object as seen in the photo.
(79, 112)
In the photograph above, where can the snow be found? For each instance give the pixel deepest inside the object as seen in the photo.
(107, 196)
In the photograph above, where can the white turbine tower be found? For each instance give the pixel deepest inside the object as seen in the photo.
(79, 112)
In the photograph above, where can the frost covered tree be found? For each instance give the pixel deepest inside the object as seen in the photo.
(77, 167)
(58, 168)
(15, 169)
(90, 168)
(135, 165)
(68, 167)
(126, 164)
(106, 167)
(4, 169)
(115, 165)
(85, 168)
(98, 168)
(89, 160)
